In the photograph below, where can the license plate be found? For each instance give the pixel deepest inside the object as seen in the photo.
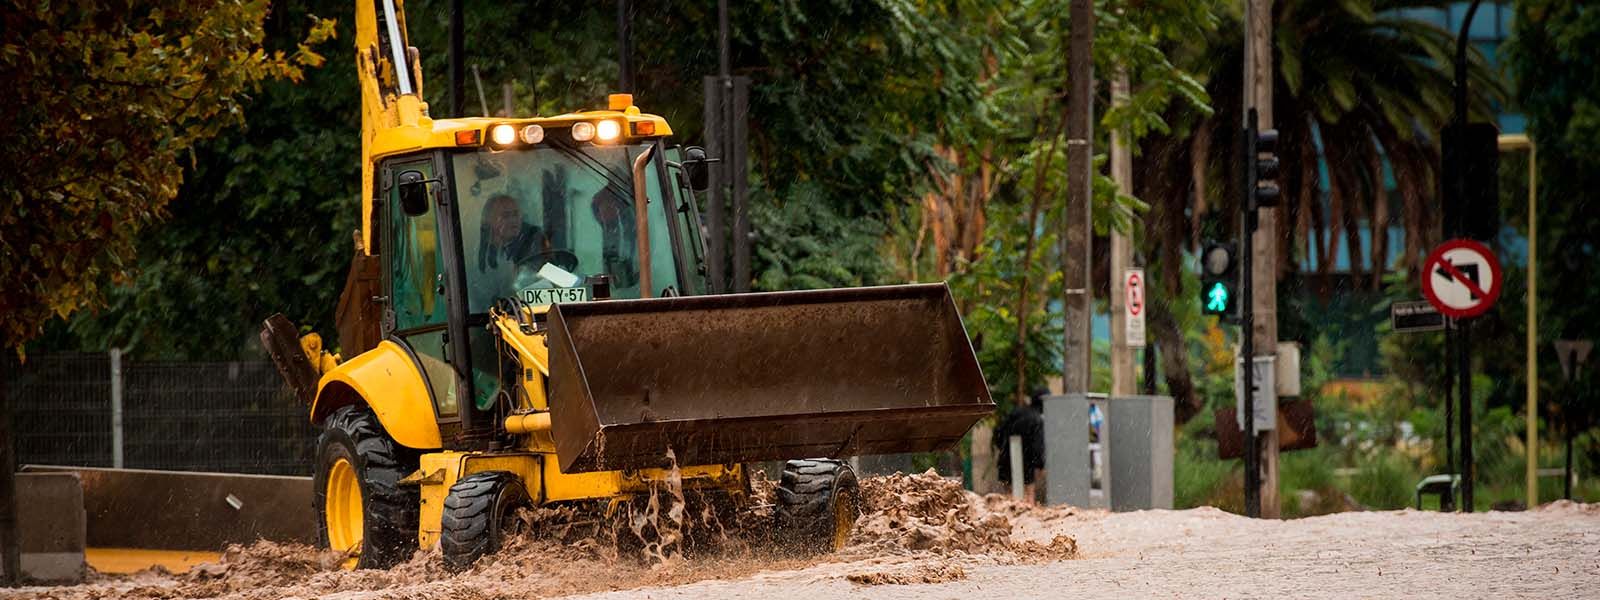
(555, 295)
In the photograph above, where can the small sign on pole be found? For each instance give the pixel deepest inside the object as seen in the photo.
(1265, 386)
(1134, 309)
(1407, 317)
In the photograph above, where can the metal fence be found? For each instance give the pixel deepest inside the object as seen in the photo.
(233, 417)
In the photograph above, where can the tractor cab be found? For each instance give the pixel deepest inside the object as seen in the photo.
(522, 214)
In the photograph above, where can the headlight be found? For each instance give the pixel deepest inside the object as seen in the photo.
(608, 130)
(503, 135)
(582, 131)
(532, 134)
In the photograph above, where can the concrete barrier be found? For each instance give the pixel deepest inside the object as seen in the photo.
(1135, 444)
(51, 526)
(178, 510)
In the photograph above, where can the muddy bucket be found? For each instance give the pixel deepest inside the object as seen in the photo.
(764, 376)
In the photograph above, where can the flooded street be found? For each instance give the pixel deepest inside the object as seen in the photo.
(922, 536)
(1206, 553)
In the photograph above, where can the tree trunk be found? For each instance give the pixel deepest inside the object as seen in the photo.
(1169, 190)
(1041, 169)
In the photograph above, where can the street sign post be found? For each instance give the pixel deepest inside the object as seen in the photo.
(1407, 317)
(1462, 279)
(1572, 354)
(1575, 416)
(1133, 317)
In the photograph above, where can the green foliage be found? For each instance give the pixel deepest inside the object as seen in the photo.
(1199, 478)
(1386, 480)
(806, 244)
(106, 99)
(1310, 471)
(1558, 88)
(988, 292)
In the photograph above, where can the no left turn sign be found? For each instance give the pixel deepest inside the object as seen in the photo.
(1462, 278)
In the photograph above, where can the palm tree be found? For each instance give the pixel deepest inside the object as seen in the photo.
(1359, 92)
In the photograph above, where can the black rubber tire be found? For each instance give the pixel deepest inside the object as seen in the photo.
(479, 513)
(808, 496)
(389, 510)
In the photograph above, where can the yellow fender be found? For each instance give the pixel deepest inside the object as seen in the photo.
(387, 380)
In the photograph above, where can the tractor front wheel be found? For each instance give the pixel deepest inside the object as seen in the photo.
(818, 501)
(479, 514)
(364, 511)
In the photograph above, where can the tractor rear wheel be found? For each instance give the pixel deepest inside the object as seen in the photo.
(818, 502)
(479, 514)
(365, 512)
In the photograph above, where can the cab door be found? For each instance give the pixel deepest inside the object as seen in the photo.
(415, 280)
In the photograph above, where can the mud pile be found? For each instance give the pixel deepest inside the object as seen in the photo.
(928, 513)
(676, 537)
(916, 574)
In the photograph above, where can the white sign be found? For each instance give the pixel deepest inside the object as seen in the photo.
(1266, 391)
(1133, 308)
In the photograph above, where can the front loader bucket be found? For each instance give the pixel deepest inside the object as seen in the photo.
(764, 376)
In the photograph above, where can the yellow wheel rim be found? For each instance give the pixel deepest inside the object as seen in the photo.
(844, 518)
(342, 511)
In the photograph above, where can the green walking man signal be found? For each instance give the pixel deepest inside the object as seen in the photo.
(1217, 298)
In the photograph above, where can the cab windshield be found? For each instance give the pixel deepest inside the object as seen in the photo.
(538, 223)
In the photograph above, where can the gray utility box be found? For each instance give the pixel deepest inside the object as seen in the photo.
(1136, 439)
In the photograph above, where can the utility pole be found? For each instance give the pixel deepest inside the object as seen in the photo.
(1122, 383)
(1075, 257)
(624, 46)
(718, 91)
(458, 74)
(1264, 241)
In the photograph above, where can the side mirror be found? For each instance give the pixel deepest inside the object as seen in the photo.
(413, 193)
(695, 163)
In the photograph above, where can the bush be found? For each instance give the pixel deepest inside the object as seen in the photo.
(1386, 480)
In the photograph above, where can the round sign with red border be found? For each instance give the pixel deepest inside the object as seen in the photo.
(1135, 287)
(1462, 278)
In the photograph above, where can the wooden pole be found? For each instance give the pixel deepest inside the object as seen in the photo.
(1076, 260)
(1122, 383)
(1264, 297)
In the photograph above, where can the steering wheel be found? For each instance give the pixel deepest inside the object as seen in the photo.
(560, 257)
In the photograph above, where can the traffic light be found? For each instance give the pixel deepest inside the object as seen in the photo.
(1219, 281)
(1471, 207)
(1261, 160)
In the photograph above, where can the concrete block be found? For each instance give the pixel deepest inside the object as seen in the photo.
(1140, 457)
(1066, 448)
(51, 525)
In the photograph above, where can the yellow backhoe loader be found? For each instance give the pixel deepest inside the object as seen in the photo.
(526, 323)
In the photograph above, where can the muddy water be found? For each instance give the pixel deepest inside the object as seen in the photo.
(671, 538)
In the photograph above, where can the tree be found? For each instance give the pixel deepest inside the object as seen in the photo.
(1557, 83)
(106, 100)
(1361, 89)
(1360, 92)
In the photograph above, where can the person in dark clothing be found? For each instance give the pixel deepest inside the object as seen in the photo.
(1027, 421)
